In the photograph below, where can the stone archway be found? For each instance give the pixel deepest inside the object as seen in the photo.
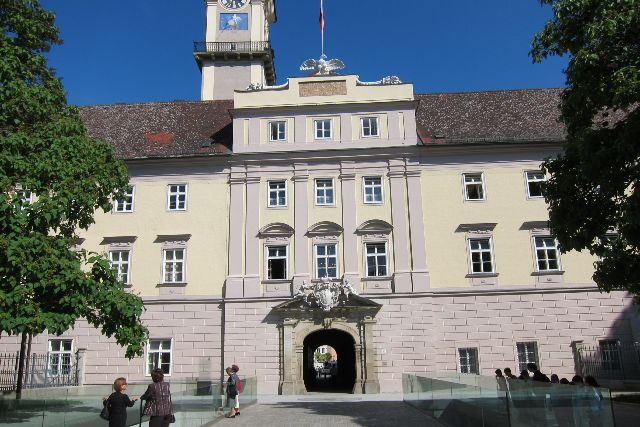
(352, 324)
(342, 374)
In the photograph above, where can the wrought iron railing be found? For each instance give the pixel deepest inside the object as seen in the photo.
(40, 370)
(223, 47)
(610, 360)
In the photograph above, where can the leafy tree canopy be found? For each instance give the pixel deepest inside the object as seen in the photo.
(593, 193)
(53, 177)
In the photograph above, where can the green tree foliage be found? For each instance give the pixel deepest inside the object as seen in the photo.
(44, 283)
(593, 193)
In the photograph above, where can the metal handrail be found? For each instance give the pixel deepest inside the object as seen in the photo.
(231, 47)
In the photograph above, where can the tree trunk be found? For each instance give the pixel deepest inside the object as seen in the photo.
(27, 360)
(23, 342)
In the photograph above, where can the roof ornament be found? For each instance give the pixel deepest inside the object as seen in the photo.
(388, 80)
(322, 67)
(326, 294)
(255, 86)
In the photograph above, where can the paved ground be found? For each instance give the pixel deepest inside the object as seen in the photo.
(310, 411)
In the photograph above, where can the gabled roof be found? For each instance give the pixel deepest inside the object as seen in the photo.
(200, 128)
(162, 129)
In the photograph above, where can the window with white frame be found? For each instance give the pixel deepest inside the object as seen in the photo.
(124, 203)
(468, 360)
(535, 179)
(276, 262)
(480, 256)
(376, 259)
(473, 186)
(26, 196)
(372, 186)
(547, 254)
(177, 197)
(277, 194)
(60, 353)
(326, 256)
(120, 264)
(322, 128)
(610, 355)
(173, 265)
(324, 192)
(369, 126)
(527, 353)
(277, 131)
(159, 355)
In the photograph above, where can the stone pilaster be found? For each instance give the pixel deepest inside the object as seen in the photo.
(349, 225)
(402, 275)
(234, 281)
(370, 385)
(252, 243)
(81, 361)
(301, 224)
(287, 385)
(419, 269)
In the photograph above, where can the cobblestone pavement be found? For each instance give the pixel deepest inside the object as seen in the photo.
(330, 414)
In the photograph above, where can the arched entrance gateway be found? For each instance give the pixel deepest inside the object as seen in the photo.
(331, 314)
(337, 375)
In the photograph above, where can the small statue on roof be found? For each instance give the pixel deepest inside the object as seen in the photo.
(322, 67)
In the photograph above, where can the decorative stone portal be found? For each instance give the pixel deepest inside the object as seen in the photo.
(333, 314)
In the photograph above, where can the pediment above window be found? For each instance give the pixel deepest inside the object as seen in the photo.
(276, 229)
(374, 226)
(325, 228)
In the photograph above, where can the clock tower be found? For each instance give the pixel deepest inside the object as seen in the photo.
(236, 51)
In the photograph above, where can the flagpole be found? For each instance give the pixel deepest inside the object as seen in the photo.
(322, 25)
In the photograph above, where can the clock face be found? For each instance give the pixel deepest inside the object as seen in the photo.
(233, 4)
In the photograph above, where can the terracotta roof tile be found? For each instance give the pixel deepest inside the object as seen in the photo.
(504, 115)
(164, 129)
(191, 128)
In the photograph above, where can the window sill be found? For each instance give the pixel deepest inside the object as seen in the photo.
(278, 207)
(275, 281)
(548, 277)
(172, 285)
(475, 200)
(325, 206)
(479, 279)
(373, 203)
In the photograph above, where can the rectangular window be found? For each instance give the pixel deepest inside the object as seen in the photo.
(324, 192)
(376, 259)
(610, 355)
(277, 194)
(480, 256)
(120, 264)
(173, 265)
(276, 262)
(473, 186)
(369, 127)
(177, 197)
(159, 356)
(125, 203)
(372, 186)
(326, 261)
(60, 357)
(322, 128)
(277, 131)
(527, 353)
(547, 256)
(468, 358)
(535, 179)
(26, 196)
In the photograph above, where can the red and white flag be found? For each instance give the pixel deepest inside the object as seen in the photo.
(321, 18)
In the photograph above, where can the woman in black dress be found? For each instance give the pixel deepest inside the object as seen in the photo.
(118, 403)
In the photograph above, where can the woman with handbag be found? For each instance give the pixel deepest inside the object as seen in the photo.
(116, 404)
(232, 393)
(158, 397)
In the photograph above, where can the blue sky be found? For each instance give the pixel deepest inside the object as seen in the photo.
(141, 50)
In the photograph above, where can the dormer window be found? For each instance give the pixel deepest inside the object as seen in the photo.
(322, 128)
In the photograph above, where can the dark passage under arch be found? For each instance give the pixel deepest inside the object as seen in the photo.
(344, 377)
